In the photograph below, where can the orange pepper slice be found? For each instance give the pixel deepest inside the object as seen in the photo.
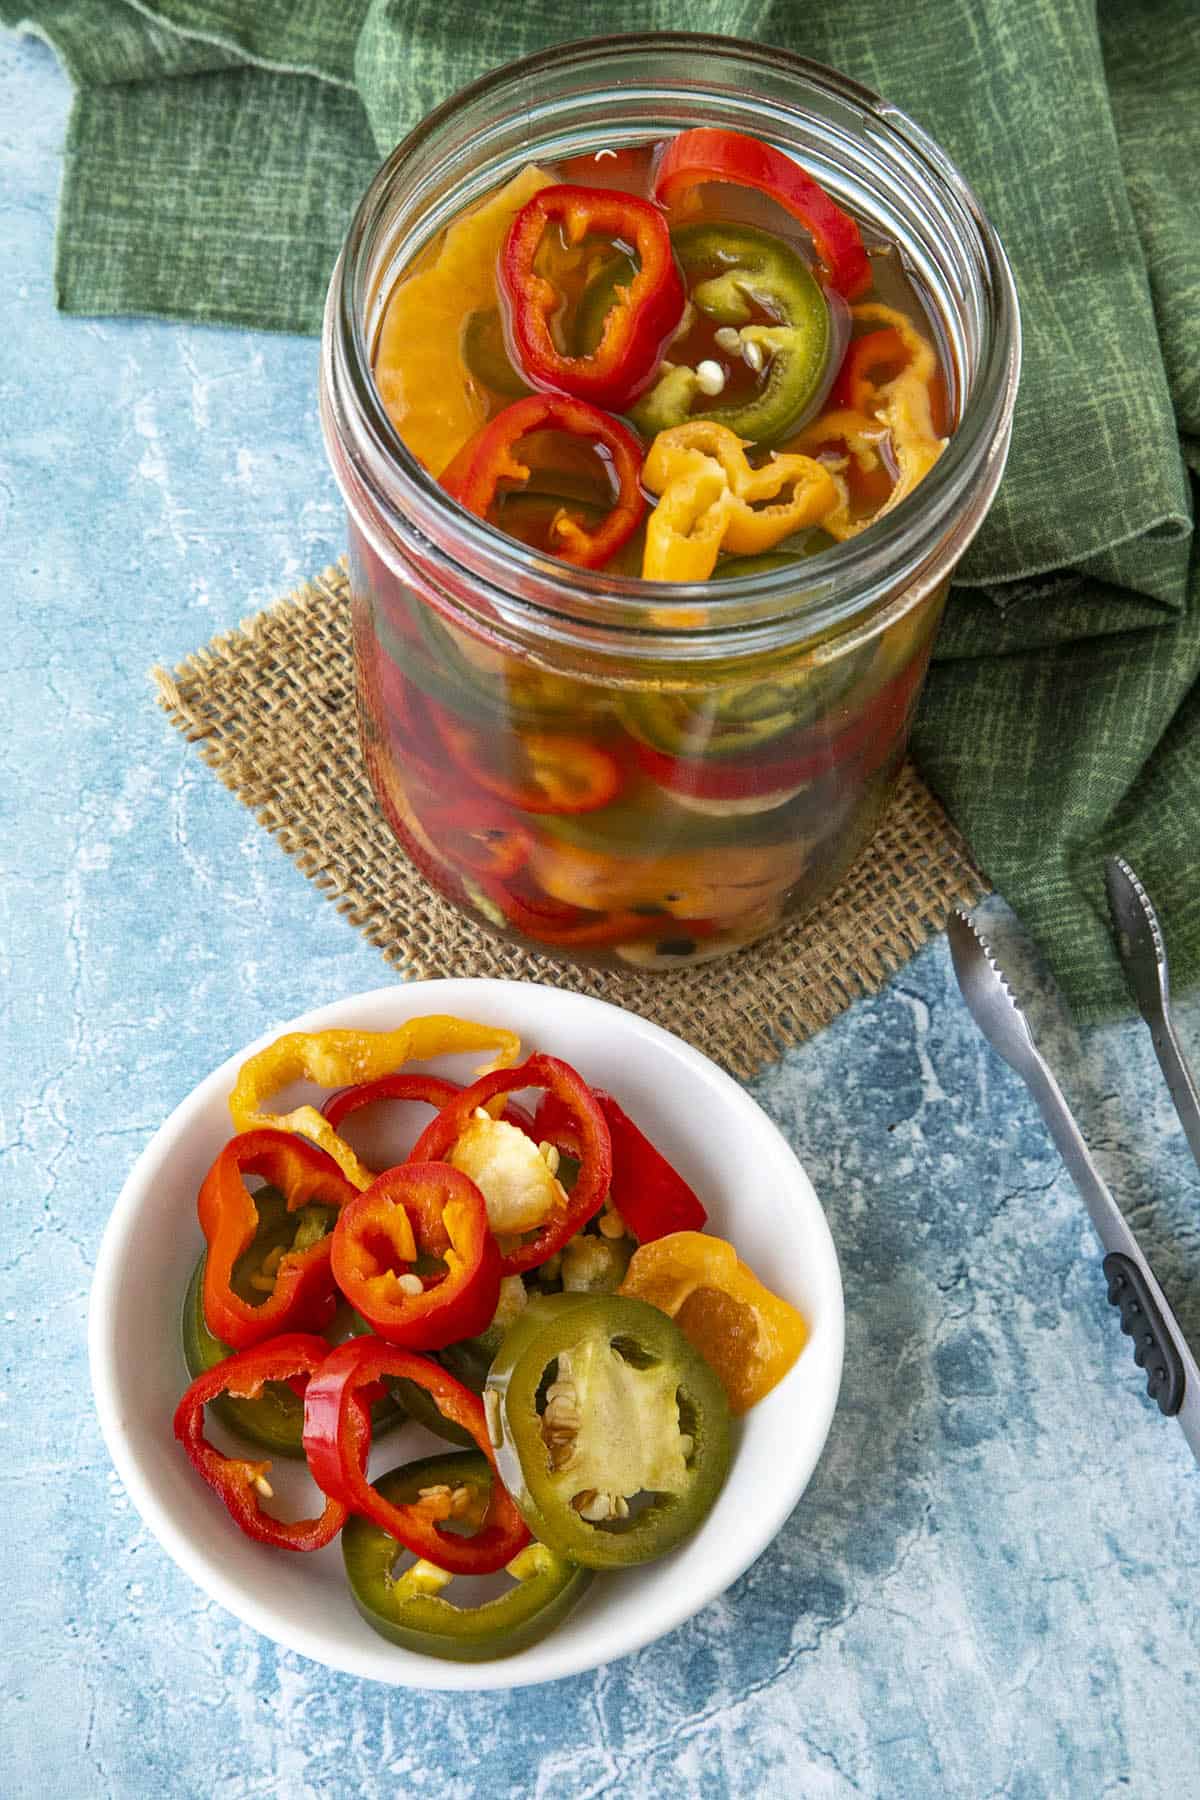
(710, 499)
(747, 1334)
(431, 398)
(709, 882)
(335, 1059)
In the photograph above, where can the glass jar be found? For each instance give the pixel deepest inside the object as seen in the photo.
(716, 754)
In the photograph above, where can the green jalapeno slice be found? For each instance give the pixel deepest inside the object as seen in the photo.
(732, 568)
(412, 1609)
(772, 316)
(620, 831)
(486, 355)
(721, 722)
(497, 690)
(275, 1420)
(611, 1433)
(469, 1360)
(739, 718)
(587, 323)
(423, 1410)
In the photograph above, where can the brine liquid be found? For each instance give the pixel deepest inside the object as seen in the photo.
(660, 819)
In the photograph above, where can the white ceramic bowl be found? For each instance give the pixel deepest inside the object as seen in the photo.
(756, 1194)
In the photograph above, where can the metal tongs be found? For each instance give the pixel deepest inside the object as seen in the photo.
(1160, 1348)
(1144, 959)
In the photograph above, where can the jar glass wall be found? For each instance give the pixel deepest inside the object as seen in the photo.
(615, 769)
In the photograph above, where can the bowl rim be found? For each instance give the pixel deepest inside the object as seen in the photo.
(396, 1667)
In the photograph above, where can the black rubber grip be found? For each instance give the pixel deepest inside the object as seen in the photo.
(1142, 1321)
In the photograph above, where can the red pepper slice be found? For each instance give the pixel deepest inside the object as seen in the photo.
(428, 787)
(408, 727)
(708, 154)
(854, 386)
(475, 836)
(595, 1148)
(868, 488)
(337, 1455)
(727, 779)
(561, 774)
(453, 477)
(489, 458)
(637, 325)
(448, 1217)
(650, 1194)
(400, 701)
(294, 1358)
(555, 923)
(304, 1297)
(434, 1090)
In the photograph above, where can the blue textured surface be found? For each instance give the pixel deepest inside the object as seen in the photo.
(990, 1587)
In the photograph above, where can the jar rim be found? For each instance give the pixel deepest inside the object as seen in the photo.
(920, 539)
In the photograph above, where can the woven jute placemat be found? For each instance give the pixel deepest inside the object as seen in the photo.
(271, 706)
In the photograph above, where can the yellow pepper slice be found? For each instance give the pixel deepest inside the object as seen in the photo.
(748, 1335)
(906, 408)
(915, 445)
(336, 1059)
(431, 398)
(861, 435)
(711, 499)
(685, 531)
(904, 416)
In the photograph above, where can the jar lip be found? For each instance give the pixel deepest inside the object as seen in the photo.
(889, 546)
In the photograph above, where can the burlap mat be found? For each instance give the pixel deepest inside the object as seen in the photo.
(272, 707)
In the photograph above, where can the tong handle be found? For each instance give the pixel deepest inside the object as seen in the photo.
(1141, 1320)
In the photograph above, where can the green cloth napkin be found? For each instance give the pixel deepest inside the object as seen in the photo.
(217, 148)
